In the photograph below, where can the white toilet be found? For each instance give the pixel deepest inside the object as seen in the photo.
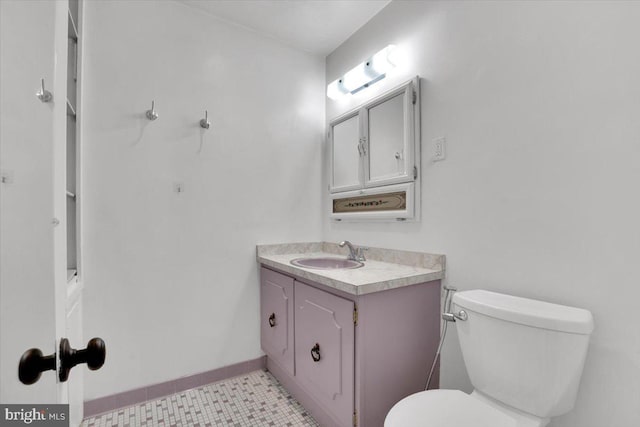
(524, 358)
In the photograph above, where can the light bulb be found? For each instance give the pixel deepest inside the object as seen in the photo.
(335, 90)
(355, 78)
(382, 62)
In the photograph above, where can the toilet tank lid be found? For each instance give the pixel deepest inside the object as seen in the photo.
(525, 311)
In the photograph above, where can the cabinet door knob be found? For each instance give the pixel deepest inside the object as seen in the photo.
(272, 320)
(315, 353)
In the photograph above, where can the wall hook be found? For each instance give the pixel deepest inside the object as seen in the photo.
(205, 123)
(43, 94)
(151, 114)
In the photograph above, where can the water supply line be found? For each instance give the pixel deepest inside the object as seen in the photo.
(447, 316)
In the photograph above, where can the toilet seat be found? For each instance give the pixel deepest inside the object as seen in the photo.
(447, 408)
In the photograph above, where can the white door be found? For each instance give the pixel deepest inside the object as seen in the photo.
(38, 304)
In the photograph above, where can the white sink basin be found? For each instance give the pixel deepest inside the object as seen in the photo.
(327, 263)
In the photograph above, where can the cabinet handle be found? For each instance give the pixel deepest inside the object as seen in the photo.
(272, 320)
(315, 353)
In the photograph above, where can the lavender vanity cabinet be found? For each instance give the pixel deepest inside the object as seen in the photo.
(276, 313)
(373, 349)
(324, 346)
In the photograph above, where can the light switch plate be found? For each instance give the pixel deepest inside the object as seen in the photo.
(439, 149)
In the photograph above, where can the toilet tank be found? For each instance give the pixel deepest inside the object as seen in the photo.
(525, 353)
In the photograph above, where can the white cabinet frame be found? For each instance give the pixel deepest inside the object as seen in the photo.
(411, 212)
(408, 180)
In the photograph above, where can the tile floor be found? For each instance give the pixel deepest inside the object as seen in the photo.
(251, 400)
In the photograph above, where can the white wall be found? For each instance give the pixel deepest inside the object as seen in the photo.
(538, 196)
(171, 280)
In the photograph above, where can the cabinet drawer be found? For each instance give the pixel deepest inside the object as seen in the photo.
(324, 343)
(276, 317)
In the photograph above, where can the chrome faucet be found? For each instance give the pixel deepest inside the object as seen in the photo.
(356, 254)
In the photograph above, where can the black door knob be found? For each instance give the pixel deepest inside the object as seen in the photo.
(33, 364)
(93, 356)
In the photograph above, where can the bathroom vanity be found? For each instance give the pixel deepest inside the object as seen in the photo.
(349, 343)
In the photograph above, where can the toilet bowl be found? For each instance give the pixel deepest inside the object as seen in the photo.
(454, 408)
(524, 358)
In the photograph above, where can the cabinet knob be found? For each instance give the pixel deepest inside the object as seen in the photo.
(315, 352)
(272, 320)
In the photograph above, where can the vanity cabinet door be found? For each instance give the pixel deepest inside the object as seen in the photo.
(276, 318)
(324, 342)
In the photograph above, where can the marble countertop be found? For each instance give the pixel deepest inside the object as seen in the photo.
(384, 268)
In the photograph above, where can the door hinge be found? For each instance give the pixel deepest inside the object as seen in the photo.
(415, 172)
(355, 419)
(355, 315)
(414, 97)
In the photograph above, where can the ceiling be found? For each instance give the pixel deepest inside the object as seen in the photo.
(316, 26)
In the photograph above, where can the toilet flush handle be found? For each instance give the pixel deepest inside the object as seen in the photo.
(451, 317)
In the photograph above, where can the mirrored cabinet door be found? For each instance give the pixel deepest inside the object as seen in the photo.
(346, 153)
(389, 139)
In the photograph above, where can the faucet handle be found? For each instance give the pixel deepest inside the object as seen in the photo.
(360, 253)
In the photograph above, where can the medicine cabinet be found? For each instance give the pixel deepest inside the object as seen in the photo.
(375, 157)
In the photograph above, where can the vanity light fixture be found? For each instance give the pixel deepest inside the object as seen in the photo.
(364, 74)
